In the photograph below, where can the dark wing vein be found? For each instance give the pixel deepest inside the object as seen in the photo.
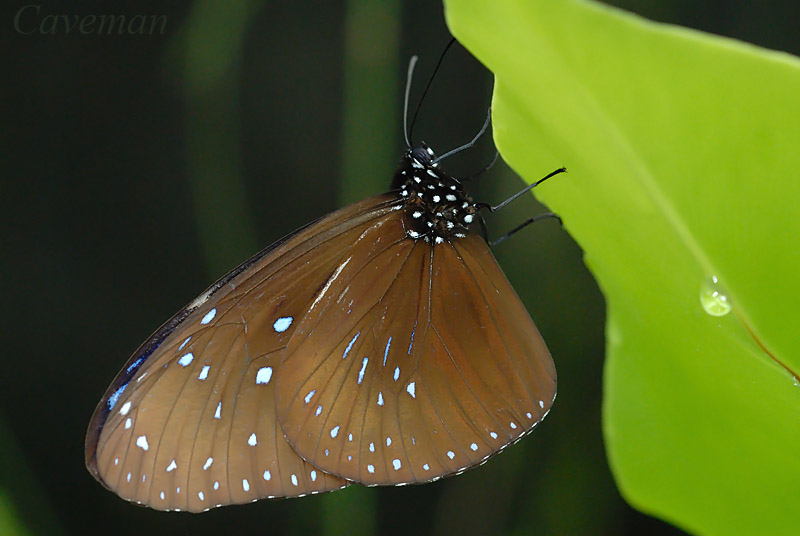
(356, 323)
(256, 285)
(235, 400)
(344, 336)
(469, 387)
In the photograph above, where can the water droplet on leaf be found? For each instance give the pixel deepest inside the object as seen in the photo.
(713, 297)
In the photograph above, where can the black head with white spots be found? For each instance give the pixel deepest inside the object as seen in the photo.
(437, 208)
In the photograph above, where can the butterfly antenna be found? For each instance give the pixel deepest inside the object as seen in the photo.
(411, 63)
(471, 143)
(427, 87)
(484, 169)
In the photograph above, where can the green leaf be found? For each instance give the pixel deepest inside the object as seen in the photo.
(682, 151)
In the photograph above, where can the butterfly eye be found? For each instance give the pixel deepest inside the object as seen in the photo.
(422, 155)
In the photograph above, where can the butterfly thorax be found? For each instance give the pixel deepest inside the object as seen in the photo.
(436, 206)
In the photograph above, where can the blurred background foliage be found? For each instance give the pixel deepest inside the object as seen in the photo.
(136, 169)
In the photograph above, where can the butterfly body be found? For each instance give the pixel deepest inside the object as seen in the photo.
(437, 207)
(381, 344)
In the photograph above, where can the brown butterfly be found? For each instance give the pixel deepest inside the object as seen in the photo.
(380, 345)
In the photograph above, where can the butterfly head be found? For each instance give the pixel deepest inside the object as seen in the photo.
(437, 209)
(423, 155)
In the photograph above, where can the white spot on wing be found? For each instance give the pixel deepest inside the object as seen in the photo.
(217, 414)
(128, 423)
(209, 316)
(172, 465)
(396, 464)
(282, 324)
(371, 468)
(335, 431)
(126, 407)
(411, 389)
(141, 442)
(380, 398)
(363, 368)
(208, 463)
(294, 479)
(474, 446)
(451, 454)
(186, 359)
(252, 440)
(313, 476)
(204, 373)
(388, 441)
(245, 485)
(350, 345)
(310, 395)
(267, 475)
(386, 351)
(264, 375)
(396, 373)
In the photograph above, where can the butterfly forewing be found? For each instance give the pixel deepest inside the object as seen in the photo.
(431, 365)
(190, 423)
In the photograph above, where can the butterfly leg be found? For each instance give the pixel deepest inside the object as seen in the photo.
(484, 169)
(525, 224)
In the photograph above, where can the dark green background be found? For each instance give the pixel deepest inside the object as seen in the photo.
(131, 181)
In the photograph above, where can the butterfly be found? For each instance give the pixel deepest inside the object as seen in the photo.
(380, 345)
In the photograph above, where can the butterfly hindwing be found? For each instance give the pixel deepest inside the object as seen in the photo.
(423, 373)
